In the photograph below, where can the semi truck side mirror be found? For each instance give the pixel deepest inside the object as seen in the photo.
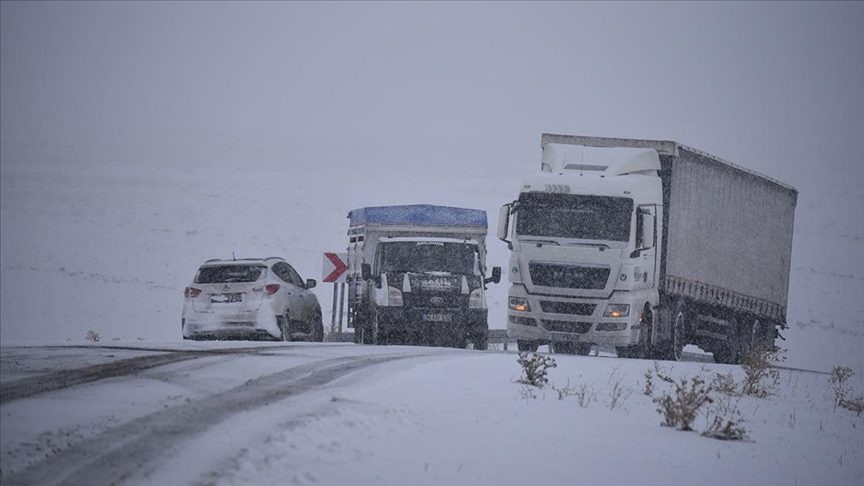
(496, 275)
(504, 224)
(311, 283)
(644, 231)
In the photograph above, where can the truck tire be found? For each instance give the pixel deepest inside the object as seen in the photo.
(481, 342)
(730, 351)
(678, 332)
(527, 346)
(645, 349)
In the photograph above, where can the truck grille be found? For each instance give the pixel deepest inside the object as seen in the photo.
(569, 276)
(564, 326)
(434, 300)
(575, 309)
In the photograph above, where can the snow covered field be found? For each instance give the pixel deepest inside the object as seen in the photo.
(140, 139)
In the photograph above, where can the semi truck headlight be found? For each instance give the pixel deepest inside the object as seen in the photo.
(394, 296)
(617, 310)
(519, 304)
(475, 299)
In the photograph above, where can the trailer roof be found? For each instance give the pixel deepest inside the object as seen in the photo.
(663, 147)
(422, 214)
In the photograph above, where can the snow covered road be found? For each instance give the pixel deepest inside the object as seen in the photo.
(275, 413)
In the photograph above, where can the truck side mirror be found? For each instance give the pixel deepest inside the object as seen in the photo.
(365, 271)
(645, 222)
(504, 223)
(496, 275)
(311, 283)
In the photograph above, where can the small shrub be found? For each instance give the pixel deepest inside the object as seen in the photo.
(758, 367)
(725, 383)
(564, 392)
(839, 383)
(534, 368)
(730, 430)
(527, 393)
(92, 336)
(649, 383)
(618, 395)
(855, 404)
(584, 396)
(680, 411)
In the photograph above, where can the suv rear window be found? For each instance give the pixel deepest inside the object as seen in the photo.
(229, 273)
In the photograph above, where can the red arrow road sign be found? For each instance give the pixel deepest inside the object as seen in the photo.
(334, 267)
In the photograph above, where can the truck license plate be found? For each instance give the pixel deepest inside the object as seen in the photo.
(437, 317)
(560, 336)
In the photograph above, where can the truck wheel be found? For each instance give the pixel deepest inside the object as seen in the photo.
(679, 332)
(730, 351)
(646, 332)
(481, 341)
(527, 346)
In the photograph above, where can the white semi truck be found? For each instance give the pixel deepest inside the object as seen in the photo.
(417, 275)
(646, 246)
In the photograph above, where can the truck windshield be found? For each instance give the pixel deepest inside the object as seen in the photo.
(581, 217)
(428, 256)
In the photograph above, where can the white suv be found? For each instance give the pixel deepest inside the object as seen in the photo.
(251, 298)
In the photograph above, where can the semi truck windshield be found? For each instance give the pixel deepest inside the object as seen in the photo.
(428, 256)
(581, 217)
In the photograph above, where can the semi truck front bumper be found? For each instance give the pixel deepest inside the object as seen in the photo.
(561, 319)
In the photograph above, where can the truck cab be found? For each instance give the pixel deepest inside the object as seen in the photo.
(417, 275)
(584, 243)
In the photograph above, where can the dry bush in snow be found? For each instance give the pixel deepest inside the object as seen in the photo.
(534, 368)
(681, 409)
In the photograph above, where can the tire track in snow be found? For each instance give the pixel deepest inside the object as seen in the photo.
(58, 380)
(128, 449)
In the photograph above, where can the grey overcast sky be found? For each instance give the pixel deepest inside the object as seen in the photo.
(727, 77)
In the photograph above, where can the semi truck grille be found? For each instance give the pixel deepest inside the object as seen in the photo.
(569, 276)
(575, 309)
(564, 326)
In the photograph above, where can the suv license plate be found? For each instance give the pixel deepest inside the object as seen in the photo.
(437, 317)
(226, 298)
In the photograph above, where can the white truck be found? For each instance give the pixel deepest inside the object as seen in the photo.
(417, 275)
(646, 246)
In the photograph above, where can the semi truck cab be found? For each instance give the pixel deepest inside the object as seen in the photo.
(584, 243)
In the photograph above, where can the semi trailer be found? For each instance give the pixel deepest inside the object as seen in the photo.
(647, 246)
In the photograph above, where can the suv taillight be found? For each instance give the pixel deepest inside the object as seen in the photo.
(271, 288)
(192, 292)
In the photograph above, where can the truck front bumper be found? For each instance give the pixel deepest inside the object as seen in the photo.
(576, 320)
(419, 325)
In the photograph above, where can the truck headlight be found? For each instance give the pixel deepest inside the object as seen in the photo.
(475, 299)
(519, 304)
(394, 296)
(617, 310)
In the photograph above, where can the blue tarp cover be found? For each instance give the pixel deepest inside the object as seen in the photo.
(425, 214)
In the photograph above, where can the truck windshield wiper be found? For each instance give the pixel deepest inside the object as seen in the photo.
(582, 243)
(539, 240)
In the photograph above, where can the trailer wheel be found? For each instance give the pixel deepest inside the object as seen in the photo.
(730, 352)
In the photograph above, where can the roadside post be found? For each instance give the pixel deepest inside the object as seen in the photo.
(333, 270)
